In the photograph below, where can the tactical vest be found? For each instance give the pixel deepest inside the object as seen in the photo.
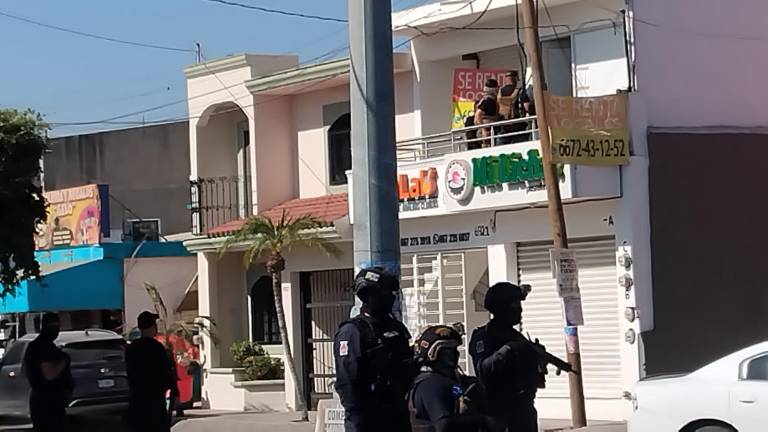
(379, 369)
(468, 402)
(526, 374)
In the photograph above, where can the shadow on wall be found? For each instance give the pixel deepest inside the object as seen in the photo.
(710, 260)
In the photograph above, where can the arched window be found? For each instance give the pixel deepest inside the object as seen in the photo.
(339, 150)
(263, 313)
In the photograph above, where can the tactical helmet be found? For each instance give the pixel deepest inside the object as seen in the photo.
(435, 338)
(502, 294)
(374, 278)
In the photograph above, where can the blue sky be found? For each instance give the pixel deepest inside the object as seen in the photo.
(70, 78)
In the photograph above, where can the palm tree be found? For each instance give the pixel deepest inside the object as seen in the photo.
(261, 235)
(172, 326)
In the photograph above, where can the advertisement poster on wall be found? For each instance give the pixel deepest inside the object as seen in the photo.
(76, 216)
(589, 130)
(467, 89)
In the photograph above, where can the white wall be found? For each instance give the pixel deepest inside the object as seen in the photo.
(273, 150)
(222, 295)
(216, 143)
(312, 135)
(312, 141)
(702, 62)
(171, 276)
(435, 57)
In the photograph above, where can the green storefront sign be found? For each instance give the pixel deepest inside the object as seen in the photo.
(507, 168)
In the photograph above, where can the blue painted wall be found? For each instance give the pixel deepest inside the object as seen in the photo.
(95, 283)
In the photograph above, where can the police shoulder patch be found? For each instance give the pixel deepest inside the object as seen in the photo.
(343, 348)
(480, 347)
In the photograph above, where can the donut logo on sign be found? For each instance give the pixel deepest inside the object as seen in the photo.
(458, 180)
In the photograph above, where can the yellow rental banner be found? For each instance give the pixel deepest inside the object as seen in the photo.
(461, 110)
(588, 130)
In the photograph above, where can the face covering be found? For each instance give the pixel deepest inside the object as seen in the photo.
(447, 359)
(380, 304)
(50, 332)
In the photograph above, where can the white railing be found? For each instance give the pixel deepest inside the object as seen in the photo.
(468, 138)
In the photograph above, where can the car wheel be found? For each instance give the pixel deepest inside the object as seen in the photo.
(710, 428)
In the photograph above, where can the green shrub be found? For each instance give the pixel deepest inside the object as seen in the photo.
(256, 361)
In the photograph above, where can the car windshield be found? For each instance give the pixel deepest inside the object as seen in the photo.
(108, 350)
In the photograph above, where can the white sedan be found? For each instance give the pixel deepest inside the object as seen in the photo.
(730, 394)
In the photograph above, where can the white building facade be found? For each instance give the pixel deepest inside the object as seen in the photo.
(269, 135)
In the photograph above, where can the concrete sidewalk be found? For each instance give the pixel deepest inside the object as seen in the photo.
(212, 421)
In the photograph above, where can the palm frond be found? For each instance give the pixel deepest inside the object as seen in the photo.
(157, 300)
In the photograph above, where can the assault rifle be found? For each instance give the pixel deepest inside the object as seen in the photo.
(547, 358)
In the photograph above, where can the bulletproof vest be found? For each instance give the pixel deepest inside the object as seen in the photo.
(525, 371)
(386, 367)
(421, 425)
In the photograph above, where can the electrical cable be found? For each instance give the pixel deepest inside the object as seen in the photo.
(95, 36)
(557, 37)
(684, 31)
(279, 12)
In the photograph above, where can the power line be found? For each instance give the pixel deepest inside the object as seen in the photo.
(279, 12)
(94, 36)
(679, 30)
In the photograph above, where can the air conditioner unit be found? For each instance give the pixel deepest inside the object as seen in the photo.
(142, 230)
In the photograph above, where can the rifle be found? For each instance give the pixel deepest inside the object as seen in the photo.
(548, 358)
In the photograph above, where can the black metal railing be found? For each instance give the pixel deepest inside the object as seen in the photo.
(218, 200)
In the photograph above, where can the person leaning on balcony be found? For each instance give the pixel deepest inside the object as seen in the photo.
(513, 104)
(487, 109)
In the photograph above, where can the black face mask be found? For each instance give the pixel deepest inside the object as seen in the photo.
(380, 304)
(50, 332)
(447, 359)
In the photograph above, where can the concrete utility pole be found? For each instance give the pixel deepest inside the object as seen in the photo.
(555, 203)
(374, 164)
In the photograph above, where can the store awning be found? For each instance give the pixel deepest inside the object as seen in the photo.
(78, 285)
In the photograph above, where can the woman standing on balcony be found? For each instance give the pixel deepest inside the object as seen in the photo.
(487, 109)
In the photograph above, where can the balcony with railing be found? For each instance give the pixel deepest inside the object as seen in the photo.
(218, 200)
(505, 132)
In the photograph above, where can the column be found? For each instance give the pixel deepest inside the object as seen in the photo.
(208, 304)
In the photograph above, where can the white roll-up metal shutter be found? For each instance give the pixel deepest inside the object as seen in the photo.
(434, 292)
(600, 336)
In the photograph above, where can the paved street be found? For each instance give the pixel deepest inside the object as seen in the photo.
(209, 421)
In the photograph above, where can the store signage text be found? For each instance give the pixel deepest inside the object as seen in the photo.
(418, 193)
(489, 171)
(436, 239)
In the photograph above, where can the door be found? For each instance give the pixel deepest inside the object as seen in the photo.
(600, 337)
(328, 300)
(14, 388)
(749, 396)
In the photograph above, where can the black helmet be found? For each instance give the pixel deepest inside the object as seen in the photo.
(374, 278)
(500, 295)
(435, 338)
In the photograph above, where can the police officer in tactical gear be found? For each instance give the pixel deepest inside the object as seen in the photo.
(442, 399)
(506, 362)
(374, 367)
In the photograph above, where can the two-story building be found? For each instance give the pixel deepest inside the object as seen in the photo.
(268, 134)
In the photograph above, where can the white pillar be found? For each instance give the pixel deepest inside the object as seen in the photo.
(633, 238)
(502, 263)
(207, 299)
(293, 310)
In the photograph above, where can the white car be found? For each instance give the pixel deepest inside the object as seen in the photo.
(730, 394)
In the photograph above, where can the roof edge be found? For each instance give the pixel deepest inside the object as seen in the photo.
(298, 75)
(401, 62)
(217, 65)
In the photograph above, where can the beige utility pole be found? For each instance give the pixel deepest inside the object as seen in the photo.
(555, 203)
